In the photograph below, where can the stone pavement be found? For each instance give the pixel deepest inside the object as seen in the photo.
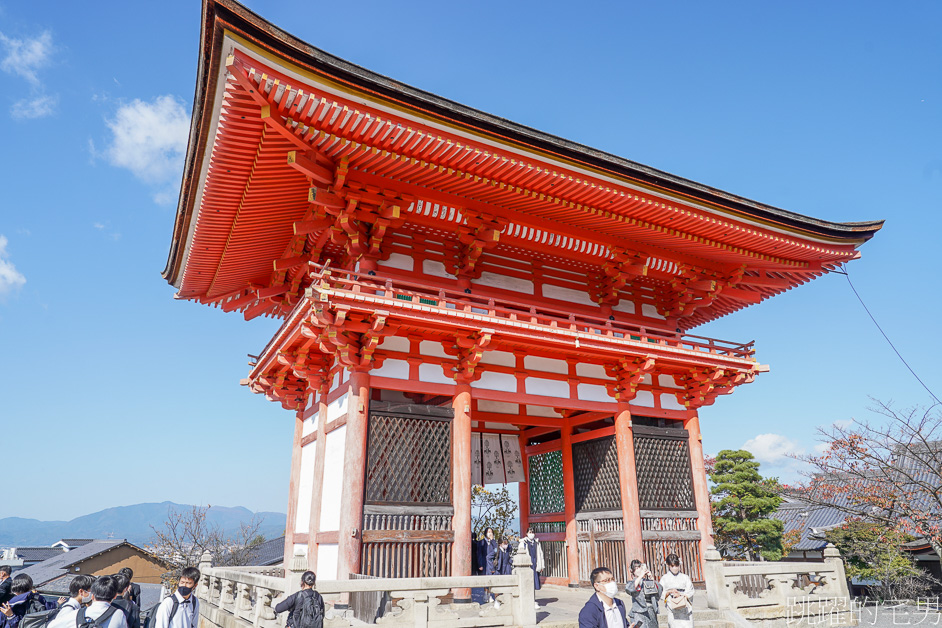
(560, 606)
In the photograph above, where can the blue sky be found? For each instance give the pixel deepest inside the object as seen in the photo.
(113, 393)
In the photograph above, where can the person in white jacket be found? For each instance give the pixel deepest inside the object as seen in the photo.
(677, 595)
(80, 592)
(182, 609)
(100, 612)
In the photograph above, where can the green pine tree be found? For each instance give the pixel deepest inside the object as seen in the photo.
(743, 501)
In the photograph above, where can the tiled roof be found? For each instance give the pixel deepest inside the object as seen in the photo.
(269, 553)
(59, 565)
(38, 554)
(811, 520)
(76, 542)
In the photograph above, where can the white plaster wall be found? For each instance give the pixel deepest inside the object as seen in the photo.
(496, 381)
(568, 295)
(498, 406)
(337, 408)
(625, 306)
(395, 343)
(432, 348)
(327, 554)
(547, 365)
(667, 381)
(669, 402)
(397, 260)
(305, 488)
(644, 398)
(513, 284)
(592, 370)
(436, 269)
(333, 480)
(433, 374)
(650, 311)
(547, 387)
(398, 369)
(593, 392)
(542, 411)
(309, 426)
(499, 358)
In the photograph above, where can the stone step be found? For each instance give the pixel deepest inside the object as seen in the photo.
(705, 617)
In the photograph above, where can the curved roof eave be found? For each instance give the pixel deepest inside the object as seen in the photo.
(235, 16)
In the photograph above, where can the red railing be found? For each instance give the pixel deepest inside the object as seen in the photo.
(403, 290)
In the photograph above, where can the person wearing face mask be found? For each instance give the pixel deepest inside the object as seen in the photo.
(80, 592)
(182, 609)
(536, 558)
(603, 610)
(645, 592)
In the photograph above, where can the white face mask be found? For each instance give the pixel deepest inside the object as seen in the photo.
(531, 536)
(86, 599)
(611, 589)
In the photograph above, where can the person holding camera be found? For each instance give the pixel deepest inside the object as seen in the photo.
(645, 591)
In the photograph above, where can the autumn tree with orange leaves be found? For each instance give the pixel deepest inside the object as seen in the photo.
(887, 472)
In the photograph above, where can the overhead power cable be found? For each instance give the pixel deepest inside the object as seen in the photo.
(895, 350)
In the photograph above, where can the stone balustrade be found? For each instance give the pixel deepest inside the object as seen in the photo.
(781, 593)
(240, 598)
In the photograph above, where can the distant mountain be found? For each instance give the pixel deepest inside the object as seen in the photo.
(126, 522)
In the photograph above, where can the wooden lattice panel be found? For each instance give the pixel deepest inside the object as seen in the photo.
(546, 482)
(409, 460)
(595, 471)
(656, 553)
(663, 467)
(540, 527)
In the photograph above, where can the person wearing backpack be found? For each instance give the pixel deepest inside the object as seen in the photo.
(306, 607)
(100, 613)
(23, 602)
(134, 590)
(131, 611)
(182, 609)
(80, 592)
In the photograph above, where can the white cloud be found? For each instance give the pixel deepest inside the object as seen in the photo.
(773, 449)
(10, 277)
(843, 424)
(149, 139)
(25, 57)
(31, 108)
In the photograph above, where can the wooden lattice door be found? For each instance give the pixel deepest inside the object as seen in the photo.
(407, 531)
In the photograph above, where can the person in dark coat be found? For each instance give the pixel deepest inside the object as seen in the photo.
(505, 563)
(134, 591)
(294, 603)
(536, 558)
(132, 612)
(480, 553)
(24, 601)
(475, 564)
(491, 549)
(5, 584)
(603, 605)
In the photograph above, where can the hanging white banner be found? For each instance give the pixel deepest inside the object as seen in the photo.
(493, 459)
(513, 462)
(476, 461)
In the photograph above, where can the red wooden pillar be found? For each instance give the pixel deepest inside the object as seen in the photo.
(701, 490)
(320, 450)
(293, 485)
(628, 479)
(461, 488)
(569, 507)
(354, 474)
(524, 488)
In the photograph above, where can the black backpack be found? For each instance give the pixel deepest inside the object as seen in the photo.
(38, 619)
(308, 610)
(81, 621)
(149, 617)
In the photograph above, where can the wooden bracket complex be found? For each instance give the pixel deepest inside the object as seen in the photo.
(628, 374)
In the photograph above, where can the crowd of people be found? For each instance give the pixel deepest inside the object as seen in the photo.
(111, 601)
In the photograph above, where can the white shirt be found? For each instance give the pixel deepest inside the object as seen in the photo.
(97, 609)
(187, 615)
(613, 618)
(681, 582)
(65, 618)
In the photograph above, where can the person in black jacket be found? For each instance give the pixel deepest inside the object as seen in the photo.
(5, 584)
(132, 611)
(134, 592)
(294, 603)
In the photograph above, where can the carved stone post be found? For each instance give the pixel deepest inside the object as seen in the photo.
(832, 557)
(525, 612)
(296, 568)
(205, 564)
(715, 580)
